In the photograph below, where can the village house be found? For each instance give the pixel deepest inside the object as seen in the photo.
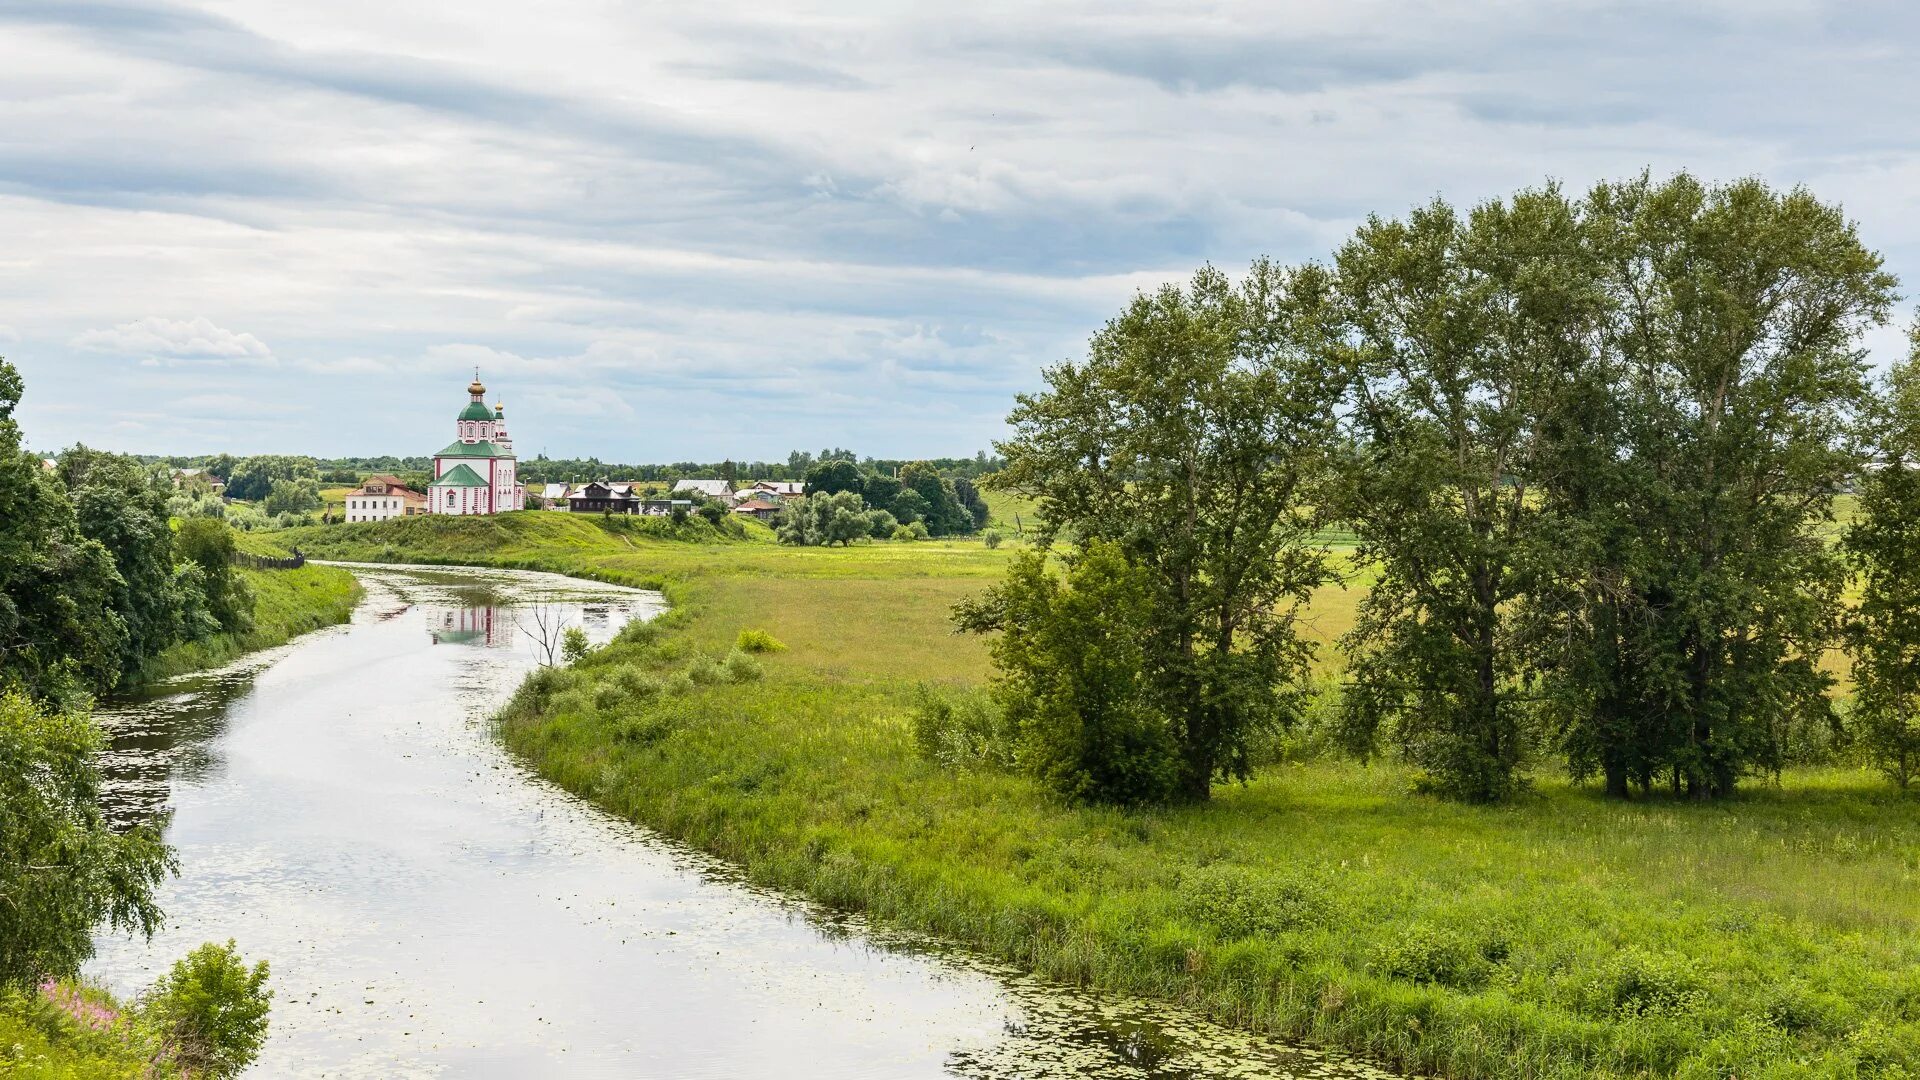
(717, 490)
(382, 498)
(474, 474)
(759, 507)
(774, 490)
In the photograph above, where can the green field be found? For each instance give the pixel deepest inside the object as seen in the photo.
(1773, 934)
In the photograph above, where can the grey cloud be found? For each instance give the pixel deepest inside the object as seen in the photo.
(774, 69)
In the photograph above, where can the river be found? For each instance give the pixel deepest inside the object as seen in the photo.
(430, 908)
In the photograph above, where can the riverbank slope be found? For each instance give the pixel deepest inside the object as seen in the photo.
(286, 604)
(1561, 936)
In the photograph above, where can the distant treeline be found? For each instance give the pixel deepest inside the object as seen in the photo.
(257, 473)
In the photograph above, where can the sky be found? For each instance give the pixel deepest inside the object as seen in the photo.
(694, 231)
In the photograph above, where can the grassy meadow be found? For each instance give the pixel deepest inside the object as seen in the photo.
(1770, 935)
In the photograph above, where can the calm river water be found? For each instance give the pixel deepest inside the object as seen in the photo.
(430, 908)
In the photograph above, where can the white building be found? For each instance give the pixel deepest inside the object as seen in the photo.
(475, 473)
(384, 497)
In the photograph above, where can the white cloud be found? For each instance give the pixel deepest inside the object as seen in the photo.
(164, 341)
(875, 247)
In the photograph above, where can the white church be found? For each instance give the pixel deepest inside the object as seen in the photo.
(475, 473)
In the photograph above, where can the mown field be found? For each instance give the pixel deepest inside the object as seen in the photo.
(1563, 935)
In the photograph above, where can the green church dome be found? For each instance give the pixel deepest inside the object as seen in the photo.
(476, 411)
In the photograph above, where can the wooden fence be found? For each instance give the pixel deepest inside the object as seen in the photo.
(267, 562)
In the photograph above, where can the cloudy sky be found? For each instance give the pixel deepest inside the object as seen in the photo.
(686, 231)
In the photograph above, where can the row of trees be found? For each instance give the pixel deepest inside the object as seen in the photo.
(840, 518)
(1587, 447)
(94, 579)
(256, 475)
(916, 492)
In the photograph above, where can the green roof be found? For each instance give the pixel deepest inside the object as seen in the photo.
(473, 449)
(459, 476)
(476, 410)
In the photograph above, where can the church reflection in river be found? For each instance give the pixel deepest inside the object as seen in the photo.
(487, 625)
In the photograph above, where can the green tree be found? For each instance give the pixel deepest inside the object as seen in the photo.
(124, 505)
(1733, 347)
(967, 493)
(252, 479)
(210, 1011)
(1883, 544)
(63, 871)
(1462, 334)
(294, 496)
(880, 490)
(1072, 675)
(59, 632)
(830, 477)
(208, 544)
(815, 520)
(1191, 438)
(910, 506)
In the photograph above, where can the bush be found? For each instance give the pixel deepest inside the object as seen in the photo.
(637, 685)
(574, 645)
(210, 1011)
(1075, 678)
(1241, 901)
(963, 730)
(758, 641)
(704, 670)
(1438, 955)
(1638, 982)
(992, 538)
(742, 667)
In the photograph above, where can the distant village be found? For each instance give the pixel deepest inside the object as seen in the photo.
(476, 474)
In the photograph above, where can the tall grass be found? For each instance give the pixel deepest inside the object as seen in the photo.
(1563, 935)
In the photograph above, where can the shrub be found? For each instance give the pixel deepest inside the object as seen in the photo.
(992, 538)
(742, 667)
(1639, 982)
(636, 684)
(962, 730)
(574, 645)
(1242, 901)
(1075, 677)
(1443, 956)
(704, 670)
(758, 641)
(678, 683)
(210, 1011)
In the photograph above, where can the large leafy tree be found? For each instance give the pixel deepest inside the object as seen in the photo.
(1189, 439)
(59, 632)
(63, 871)
(1883, 544)
(1733, 353)
(252, 478)
(1464, 334)
(124, 505)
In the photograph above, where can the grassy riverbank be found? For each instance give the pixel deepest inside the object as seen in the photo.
(1561, 936)
(41, 1041)
(286, 604)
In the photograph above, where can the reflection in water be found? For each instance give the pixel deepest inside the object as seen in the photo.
(488, 626)
(430, 909)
